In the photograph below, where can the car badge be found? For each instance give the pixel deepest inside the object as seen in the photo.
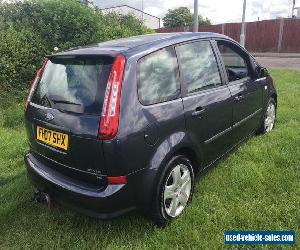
(49, 117)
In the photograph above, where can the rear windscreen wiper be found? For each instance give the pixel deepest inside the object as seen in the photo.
(66, 102)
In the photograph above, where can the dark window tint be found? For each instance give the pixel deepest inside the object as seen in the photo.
(157, 77)
(74, 84)
(199, 68)
(235, 64)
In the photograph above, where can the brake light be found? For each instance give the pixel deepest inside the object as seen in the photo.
(35, 82)
(115, 180)
(109, 123)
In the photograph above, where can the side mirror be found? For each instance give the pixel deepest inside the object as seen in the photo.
(262, 72)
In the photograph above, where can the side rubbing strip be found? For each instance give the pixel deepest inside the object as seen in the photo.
(234, 126)
(218, 135)
(246, 118)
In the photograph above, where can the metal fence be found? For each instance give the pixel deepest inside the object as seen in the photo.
(279, 35)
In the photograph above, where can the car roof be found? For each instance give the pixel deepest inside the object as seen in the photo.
(136, 44)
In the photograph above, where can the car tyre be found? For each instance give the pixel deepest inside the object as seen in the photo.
(174, 190)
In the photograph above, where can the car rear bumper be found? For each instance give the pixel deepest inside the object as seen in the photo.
(105, 203)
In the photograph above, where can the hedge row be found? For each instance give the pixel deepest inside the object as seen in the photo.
(31, 29)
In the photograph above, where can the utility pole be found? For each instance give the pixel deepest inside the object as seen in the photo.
(293, 7)
(143, 11)
(242, 36)
(195, 27)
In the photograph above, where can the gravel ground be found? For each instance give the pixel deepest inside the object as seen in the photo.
(280, 62)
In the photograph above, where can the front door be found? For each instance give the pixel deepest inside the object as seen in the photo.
(246, 92)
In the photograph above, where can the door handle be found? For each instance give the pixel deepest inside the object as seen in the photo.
(239, 98)
(198, 111)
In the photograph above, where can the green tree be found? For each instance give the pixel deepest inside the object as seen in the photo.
(21, 54)
(203, 20)
(179, 17)
(30, 29)
(182, 17)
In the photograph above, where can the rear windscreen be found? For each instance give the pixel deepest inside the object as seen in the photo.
(74, 84)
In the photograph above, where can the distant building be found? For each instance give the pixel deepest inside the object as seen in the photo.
(149, 21)
(89, 3)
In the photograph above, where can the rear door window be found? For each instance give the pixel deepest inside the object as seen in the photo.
(199, 68)
(158, 77)
(74, 84)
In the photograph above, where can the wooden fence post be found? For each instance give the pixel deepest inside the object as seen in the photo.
(280, 35)
(223, 28)
(245, 33)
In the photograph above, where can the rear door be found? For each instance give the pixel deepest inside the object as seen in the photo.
(63, 117)
(159, 94)
(207, 100)
(246, 92)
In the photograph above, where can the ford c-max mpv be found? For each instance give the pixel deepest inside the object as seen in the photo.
(128, 124)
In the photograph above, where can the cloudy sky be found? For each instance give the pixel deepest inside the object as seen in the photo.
(218, 11)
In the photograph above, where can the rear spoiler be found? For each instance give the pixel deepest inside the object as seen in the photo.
(87, 52)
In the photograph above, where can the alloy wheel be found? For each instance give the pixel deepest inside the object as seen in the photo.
(270, 117)
(177, 190)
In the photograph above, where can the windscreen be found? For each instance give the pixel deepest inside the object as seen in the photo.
(74, 84)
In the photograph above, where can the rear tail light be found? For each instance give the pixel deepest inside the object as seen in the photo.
(35, 82)
(109, 123)
(117, 180)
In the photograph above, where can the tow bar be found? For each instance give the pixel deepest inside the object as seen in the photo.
(43, 198)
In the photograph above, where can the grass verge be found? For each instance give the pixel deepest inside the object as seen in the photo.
(255, 188)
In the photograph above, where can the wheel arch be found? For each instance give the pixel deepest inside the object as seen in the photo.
(192, 156)
(178, 144)
(274, 96)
